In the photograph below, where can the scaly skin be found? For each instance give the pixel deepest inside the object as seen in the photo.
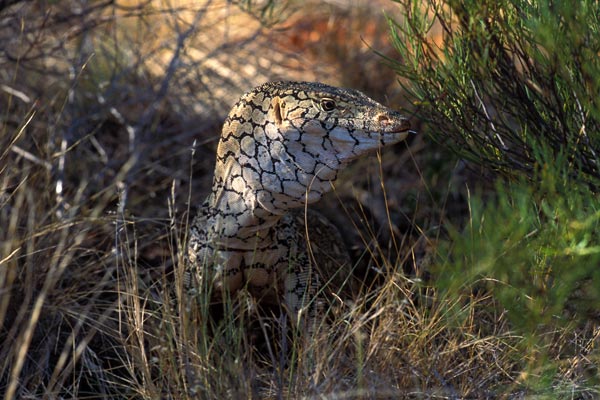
(281, 147)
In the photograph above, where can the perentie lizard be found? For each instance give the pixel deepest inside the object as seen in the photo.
(281, 147)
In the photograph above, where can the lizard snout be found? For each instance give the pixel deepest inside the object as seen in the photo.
(392, 123)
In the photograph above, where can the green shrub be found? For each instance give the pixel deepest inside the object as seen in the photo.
(536, 251)
(502, 78)
(513, 86)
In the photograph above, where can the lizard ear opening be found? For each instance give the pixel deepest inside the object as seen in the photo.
(276, 110)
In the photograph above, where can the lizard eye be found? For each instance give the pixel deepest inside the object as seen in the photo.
(327, 104)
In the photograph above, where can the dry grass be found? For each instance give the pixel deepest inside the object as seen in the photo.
(97, 183)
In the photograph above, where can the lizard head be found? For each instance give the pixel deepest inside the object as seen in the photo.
(291, 138)
(332, 126)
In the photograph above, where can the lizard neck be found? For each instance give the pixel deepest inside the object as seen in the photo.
(236, 219)
(251, 194)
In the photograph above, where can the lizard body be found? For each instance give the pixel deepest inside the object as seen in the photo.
(281, 147)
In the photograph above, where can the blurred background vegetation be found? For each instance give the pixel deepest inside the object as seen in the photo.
(481, 230)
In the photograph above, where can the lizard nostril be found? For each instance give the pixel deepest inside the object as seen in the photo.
(383, 118)
(391, 123)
